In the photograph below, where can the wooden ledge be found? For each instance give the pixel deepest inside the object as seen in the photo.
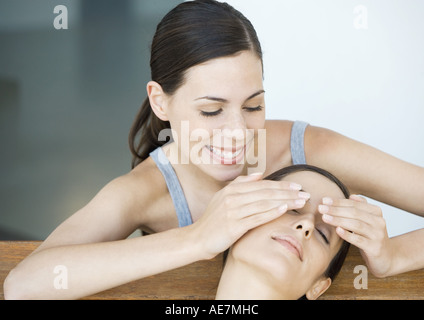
(200, 280)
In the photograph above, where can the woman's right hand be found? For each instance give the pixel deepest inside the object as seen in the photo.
(245, 203)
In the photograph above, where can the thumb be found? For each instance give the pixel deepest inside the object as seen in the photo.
(357, 198)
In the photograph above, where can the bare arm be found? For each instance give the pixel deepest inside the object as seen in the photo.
(91, 268)
(375, 174)
(367, 170)
(89, 245)
(408, 252)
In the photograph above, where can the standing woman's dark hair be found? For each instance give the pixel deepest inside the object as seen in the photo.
(192, 33)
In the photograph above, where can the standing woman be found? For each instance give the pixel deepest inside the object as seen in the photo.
(193, 194)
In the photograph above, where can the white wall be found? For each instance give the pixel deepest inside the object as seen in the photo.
(367, 84)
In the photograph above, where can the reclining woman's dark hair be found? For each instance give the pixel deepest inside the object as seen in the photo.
(190, 34)
(338, 260)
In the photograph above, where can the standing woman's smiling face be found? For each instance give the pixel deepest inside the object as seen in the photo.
(219, 99)
(292, 253)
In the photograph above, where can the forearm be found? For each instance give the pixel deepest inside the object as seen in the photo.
(91, 268)
(408, 252)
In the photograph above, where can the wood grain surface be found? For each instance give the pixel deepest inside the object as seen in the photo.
(200, 280)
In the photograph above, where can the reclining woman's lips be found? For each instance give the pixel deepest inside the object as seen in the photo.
(291, 244)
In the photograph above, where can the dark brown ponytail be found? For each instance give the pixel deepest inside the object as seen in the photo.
(147, 123)
(191, 33)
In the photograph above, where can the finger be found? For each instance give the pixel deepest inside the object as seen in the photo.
(353, 225)
(256, 220)
(251, 177)
(357, 198)
(374, 209)
(263, 205)
(353, 238)
(250, 184)
(344, 212)
(346, 202)
(359, 205)
(268, 194)
(342, 202)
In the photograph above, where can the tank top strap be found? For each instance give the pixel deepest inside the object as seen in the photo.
(174, 187)
(297, 146)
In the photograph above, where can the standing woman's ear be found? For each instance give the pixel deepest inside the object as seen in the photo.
(157, 98)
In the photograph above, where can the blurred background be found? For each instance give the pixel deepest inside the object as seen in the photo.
(67, 101)
(68, 97)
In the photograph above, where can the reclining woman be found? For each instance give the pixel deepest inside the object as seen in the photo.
(296, 255)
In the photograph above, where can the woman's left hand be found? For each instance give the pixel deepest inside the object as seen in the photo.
(362, 224)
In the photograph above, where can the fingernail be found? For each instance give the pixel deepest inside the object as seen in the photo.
(295, 186)
(340, 231)
(283, 208)
(300, 202)
(355, 197)
(327, 218)
(323, 208)
(304, 195)
(255, 174)
(327, 200)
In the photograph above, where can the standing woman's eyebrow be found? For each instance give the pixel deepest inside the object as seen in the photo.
(255, 94)
(225, 100)
(213, 99)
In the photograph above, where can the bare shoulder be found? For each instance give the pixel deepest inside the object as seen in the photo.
(325, 148)
(140, 187)
(278, 127)
(365, 169)
(319, 141)
(336, 153)
(122, 206)
(151, 201)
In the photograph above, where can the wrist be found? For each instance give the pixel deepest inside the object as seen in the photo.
(397, 257)
(196, 241)
(199, 243)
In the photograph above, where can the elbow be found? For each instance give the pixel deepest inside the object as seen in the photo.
(23, 285)
(10, 287)
(13, 287)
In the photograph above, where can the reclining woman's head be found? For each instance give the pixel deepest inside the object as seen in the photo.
(294, 256)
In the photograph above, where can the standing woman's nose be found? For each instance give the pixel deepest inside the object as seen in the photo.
(235, 126)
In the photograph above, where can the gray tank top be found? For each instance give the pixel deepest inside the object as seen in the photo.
(174, 186)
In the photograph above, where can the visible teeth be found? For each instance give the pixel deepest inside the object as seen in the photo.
(225, 154)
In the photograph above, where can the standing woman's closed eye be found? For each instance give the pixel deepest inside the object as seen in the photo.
(219, 111)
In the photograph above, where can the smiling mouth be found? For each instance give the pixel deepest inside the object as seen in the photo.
(226, 156)
(291, 244)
